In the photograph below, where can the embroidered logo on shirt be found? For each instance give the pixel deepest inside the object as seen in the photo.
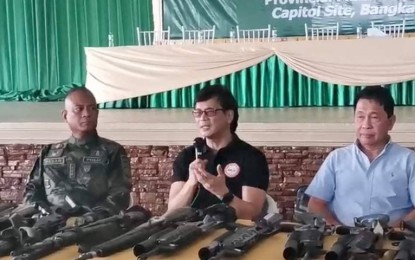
(232, 170)
(87, 167)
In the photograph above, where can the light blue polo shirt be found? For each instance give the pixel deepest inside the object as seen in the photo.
(354, 187)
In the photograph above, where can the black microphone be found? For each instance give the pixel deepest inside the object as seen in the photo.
(199, 145)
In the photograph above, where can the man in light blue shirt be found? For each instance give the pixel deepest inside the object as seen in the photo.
(371, 176)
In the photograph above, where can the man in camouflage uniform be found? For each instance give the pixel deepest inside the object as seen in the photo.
(84, 171)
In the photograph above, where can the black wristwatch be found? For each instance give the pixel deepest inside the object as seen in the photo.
(228, 198)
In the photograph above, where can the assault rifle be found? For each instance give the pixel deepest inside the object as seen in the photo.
(307, 240)
(359, 242)
(143, 232)
(13, 237)
(406, 238)
(33, 223)
(238, 242)
(170, 240)
(98, 232)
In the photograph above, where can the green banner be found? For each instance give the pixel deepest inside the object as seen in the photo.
(286, 16)
(200, 14)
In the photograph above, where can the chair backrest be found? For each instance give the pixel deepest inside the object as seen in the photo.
(301, 202)
(396, 30)
(271, 205)
(153, 37)
(198, 36)
(133, 199)
(253, 35)
(322, 33)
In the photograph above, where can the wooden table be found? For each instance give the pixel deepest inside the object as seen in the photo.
(270, 248)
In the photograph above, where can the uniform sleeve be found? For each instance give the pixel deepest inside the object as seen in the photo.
(257, 172)
(119, 184)
(181, 167)
(35, 189)
(323, 184)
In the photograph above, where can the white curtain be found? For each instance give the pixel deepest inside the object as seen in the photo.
(124, 72)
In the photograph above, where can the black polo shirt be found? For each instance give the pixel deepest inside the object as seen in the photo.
(243, 165)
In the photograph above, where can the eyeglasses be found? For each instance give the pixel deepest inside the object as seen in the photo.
(210, 112)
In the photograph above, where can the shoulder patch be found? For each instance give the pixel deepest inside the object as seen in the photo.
(56, 150)
(58, 146)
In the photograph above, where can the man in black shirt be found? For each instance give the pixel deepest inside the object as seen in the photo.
(229, 170)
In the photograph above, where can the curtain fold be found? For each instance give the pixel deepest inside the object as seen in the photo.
(131, 71)
(42, 41)
(268, 84)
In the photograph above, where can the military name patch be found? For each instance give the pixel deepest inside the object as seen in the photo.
(54, 161)
(94, 160)
(232, 170)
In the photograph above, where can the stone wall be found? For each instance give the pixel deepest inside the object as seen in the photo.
(151, 167)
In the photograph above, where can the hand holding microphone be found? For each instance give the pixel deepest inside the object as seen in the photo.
(200, 145)
(215, 184)
(198, 164)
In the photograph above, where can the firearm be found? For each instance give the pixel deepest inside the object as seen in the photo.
(406, 250)
(13, 219)
(238, 242)
(359, 241)
(141, 233)
(25, 230)
(4, 207)
(408, 225)
(406, 242)
(361, 244)
(307, 240)
(10, 237)
(98, 232)
(6, 210)
(20, 235)
(217, 216)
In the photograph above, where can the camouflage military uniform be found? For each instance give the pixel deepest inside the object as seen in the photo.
(93, 173)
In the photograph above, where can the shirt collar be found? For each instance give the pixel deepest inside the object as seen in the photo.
(385, 148)
(93, 138)
(233, 143)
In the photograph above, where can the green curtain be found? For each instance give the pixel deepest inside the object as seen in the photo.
(268, 84)
(42, 41)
